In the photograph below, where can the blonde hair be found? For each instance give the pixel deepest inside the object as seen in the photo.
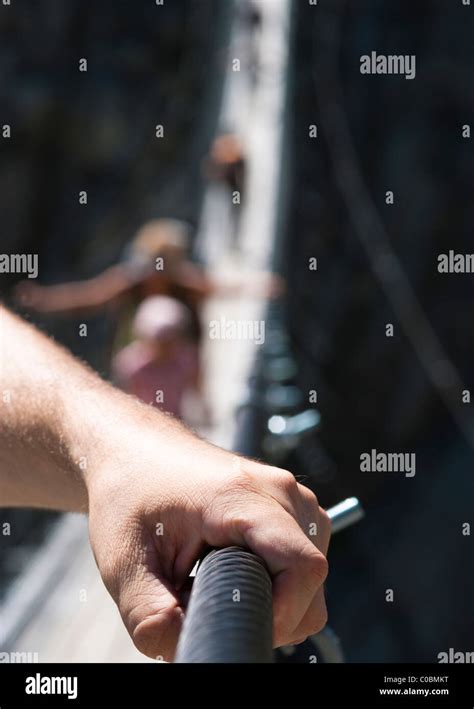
(160, 236)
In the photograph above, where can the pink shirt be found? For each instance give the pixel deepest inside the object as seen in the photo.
(137, 372)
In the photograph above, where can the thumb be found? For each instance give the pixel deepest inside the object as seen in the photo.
(151, 611)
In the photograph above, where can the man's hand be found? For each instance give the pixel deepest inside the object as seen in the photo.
(156, 493)
(155, 506)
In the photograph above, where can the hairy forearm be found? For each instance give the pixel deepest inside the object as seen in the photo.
(40, 462)
(59, 420)
(156, 494)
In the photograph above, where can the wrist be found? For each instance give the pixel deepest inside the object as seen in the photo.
(92, 418)
(107, 430)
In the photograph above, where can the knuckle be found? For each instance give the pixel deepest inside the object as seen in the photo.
(240, 478)
(315, 566)
(283, 479)
(308, 495)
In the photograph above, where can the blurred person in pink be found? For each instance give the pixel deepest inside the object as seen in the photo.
(161, 364)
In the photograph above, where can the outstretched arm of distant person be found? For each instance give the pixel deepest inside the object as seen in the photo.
(70, 441)
(76, 296)
(203, 284)
(115, 283)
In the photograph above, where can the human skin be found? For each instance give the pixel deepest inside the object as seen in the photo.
(156, 494)
(115, 286)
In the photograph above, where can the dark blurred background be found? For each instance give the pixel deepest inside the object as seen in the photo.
(373, 392)
(95, 130)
